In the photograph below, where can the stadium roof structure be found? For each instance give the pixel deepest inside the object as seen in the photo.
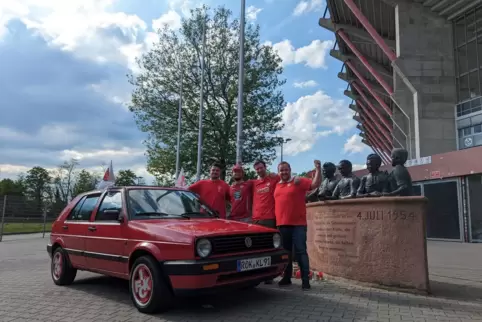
(366, 43)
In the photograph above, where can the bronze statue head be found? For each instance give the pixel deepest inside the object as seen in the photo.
(399, 156)
(345, 167)
(374, 161)
(329, 170)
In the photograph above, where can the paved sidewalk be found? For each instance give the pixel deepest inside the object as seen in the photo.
(28, 294)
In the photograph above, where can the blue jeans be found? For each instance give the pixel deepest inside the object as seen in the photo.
(296, 236)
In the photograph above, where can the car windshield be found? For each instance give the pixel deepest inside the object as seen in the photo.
(164, 203)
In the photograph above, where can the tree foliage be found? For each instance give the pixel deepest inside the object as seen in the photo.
(177, 56)
(126, 178)
(85, 181)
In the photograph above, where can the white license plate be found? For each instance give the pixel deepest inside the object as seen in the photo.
(253, 263)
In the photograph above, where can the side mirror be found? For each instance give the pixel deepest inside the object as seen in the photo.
(112, 215)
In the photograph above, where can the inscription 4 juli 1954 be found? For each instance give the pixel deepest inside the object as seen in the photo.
(386, 215)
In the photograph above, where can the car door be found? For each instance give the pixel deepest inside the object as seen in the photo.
(74, 229)
(106, 237)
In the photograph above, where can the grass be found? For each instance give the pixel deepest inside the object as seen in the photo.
(25, 228)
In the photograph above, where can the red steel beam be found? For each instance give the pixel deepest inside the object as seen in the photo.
(365, 62)
(374, 109)
(366, 113)
(371, 31)
(378, 150)
(368, 126)
(369, 88)
(377, 143)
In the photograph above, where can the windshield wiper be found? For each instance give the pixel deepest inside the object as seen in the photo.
(160, 214)
(199, 213)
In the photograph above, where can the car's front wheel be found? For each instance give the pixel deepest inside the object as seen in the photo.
(149, 290)
(61, 269)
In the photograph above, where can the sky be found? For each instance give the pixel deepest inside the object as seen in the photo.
(64, 90)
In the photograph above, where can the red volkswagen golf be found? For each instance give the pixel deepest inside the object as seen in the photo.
(164, 241)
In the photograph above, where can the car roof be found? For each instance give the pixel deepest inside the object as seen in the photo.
(97, 191)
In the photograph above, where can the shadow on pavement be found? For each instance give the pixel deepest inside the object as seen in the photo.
(264, 302)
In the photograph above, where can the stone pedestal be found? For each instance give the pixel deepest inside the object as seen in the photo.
(373, 240)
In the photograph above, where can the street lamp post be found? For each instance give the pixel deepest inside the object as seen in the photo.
(201, 105)
(239, 137)
(283, 141)
(179, 122)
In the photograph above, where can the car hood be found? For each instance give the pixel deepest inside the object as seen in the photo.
(198, 227)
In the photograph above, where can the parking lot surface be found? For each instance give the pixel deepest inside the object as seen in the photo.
(27, 293)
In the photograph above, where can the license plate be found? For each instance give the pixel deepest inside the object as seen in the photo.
(253, 263)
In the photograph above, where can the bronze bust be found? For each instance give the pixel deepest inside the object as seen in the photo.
(376, 182)
(330, 180)
(348, 185)
(400, 179)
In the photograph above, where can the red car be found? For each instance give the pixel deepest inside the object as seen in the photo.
(165, 241)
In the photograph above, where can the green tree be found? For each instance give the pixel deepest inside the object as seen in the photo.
(64, 179)
(178, 55)
(37, 186)
(84, 181)
(11, 187)
(126, 178)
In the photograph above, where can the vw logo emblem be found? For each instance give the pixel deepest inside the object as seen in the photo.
(248, 242)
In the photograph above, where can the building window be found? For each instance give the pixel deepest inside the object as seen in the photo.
(468, 54)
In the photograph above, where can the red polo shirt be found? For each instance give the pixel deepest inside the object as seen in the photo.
(241, 200)
(214, 193)
(263, 199)
(290, 204)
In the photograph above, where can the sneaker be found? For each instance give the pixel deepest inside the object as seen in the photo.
(284, 282)
(305, 286)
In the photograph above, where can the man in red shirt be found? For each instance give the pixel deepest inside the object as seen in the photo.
(241, 196)
(290, 210)
(263, 201)
(213, 192)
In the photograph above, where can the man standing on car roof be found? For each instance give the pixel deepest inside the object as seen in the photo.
(214, 192)
(241, 196)
(290, 210)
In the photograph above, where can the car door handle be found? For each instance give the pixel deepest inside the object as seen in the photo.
(65, 227)
(92, 228)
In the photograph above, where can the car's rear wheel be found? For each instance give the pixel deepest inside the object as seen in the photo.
(61, 269)
(149, 290)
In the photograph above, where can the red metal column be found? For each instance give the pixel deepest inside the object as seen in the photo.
(376, 142)
(371, 31)
(368, 87)
(378, 150)
(374, 132)
(366, 113)
(365, 62)
(373, 108)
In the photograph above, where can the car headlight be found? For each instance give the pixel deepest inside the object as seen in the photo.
(277, 240)
(204, 248)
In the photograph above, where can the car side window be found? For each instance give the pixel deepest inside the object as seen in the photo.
(75, 212)
(87, 207)
(111, 201)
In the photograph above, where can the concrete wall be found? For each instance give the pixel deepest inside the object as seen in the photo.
(426, 58)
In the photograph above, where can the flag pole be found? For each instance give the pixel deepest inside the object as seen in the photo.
(239, 137)
(179, 122)
(201, 106)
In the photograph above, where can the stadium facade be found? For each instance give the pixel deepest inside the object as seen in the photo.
(413, 69)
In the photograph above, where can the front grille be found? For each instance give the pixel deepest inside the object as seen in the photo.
(237, 244)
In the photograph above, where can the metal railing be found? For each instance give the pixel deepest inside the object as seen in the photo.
(22, 216)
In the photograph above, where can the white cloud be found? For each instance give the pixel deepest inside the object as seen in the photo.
(88, 28)
(310, 83)
(312, 55)
(252, 12)
(306, 6)
(354, 145)
(313, 117)
(171, 18)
